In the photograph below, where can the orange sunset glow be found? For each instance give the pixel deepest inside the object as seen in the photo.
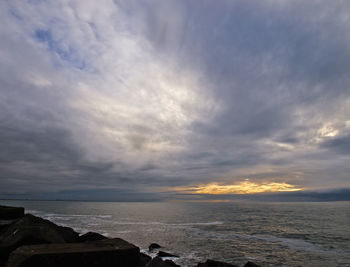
(244, 187)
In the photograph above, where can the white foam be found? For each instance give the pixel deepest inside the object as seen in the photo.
(123, 232)
(80, 215)
(63, 216)
(166, 224)
(297, 244)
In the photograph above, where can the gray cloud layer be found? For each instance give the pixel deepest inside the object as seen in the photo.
(142, 96)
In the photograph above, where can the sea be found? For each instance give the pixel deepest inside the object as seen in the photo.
(269, 234)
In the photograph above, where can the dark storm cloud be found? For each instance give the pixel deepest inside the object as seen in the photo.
(129, 95)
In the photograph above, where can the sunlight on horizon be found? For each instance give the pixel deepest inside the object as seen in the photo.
(244, 187)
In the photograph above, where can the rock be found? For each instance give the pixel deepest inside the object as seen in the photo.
(166, 254)
(11, 213)
(31, 230)
(171, 263)
(68, 234)
(116, 252)
(4, 224)
(158, 262)
(144, 259)
(251, 264)
(91, 236)
(212, 263)
(153, 246)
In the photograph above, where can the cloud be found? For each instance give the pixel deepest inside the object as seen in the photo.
(122, 94)
(339, 144)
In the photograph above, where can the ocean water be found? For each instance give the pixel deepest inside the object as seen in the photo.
(270, 234)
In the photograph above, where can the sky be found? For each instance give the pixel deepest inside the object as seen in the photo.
(160, 100)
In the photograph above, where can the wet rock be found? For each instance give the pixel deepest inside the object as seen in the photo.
(30, 230)
(166, 254)
(153, 246)
(91, 236)
(212, 263)
(115, 252)
(11, 213)
(144, 259)
(251, 264)
(158, 262)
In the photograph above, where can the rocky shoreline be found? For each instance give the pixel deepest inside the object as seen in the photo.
(30, 241)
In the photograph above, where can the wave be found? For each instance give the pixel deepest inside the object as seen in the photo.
(166, 224)
(292, 243)
(60, 215)
(296, 244)
(299, 244)
(66, 217)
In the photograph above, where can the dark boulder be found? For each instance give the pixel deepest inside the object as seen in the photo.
(31, 230)
(4, 224)
(11, 213)
(115, 252)
(144, 259)
(91, 236)
(158, 262)
(30, 221)
(251, 264)
(212, 263)
(171, 263)
(153, 246)
(68, 234)
(166, 254)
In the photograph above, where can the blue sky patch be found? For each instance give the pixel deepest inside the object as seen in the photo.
(70, 55)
